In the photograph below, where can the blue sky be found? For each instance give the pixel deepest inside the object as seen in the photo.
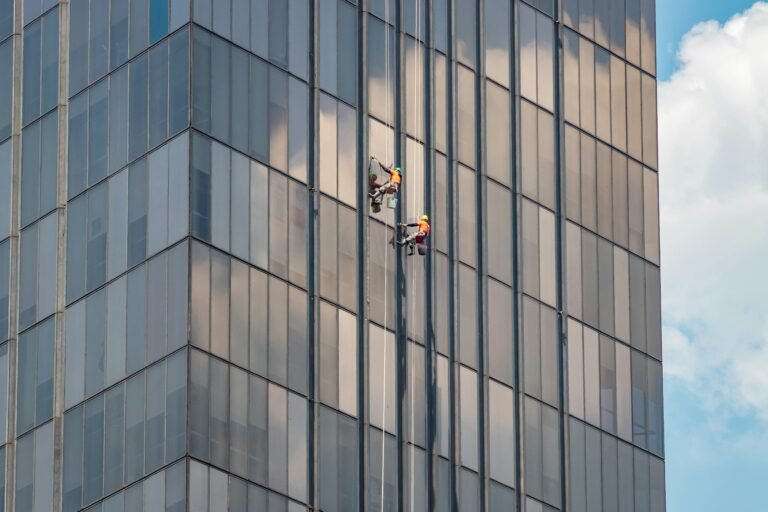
(713, 118)
(674, 18)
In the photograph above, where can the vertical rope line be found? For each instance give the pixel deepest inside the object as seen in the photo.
(417, 199)
(386, 258)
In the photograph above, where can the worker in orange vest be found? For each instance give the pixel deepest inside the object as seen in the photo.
(418, 236)
(392, 186)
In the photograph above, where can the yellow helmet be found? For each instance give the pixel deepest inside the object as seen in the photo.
(425, 218)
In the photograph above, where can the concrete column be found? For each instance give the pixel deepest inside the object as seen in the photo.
(61, 255)
(10, 452)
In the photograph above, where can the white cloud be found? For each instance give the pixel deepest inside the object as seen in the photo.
(713, 130)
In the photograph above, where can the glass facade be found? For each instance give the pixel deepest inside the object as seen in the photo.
(198, 311)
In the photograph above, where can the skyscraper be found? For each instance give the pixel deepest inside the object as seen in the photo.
(198, 309)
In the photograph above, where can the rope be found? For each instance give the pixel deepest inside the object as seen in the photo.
(386, 262)
(417, 198)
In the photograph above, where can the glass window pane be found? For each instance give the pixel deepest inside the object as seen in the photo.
(498, 133)
(31, 71)
(497, 16)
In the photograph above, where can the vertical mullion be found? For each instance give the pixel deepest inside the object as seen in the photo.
(517, 277)
(313, 252)
(451, 170)
(362, 229)
(480, 202)
(560, 249)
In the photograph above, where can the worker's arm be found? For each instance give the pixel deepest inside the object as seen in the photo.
(409, 225)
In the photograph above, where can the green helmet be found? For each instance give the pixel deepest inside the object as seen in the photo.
(399, 170)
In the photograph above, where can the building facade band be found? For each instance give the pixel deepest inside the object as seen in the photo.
(198, 310)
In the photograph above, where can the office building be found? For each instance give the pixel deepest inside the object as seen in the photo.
(199, 311)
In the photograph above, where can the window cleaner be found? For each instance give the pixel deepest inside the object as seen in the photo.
(415, 239)
(391, 186)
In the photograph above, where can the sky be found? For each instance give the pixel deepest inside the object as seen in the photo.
(713, 151)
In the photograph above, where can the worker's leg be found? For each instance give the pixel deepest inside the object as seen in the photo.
(412, 238)
(379, 192)
(407, 239)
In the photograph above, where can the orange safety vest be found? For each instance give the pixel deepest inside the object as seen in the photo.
(394, 177)
(424, 227)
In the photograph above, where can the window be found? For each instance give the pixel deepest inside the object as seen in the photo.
(468, 421)
(382, 378)
(467, 216)
(275, 417)
(466, 120)
(6, 23)
(381, 74)
(232, 197)
(501, 437)
(648, 35)
(338, 44)
(338, 253)
(37, 272)
(226, 294)
(542, 458)
(497, 40)
(378, 468)
(634, 113)
(38, 168)
(5, 268)
(650, 148)
(416, 402)
(618, 103)
(443, 407)
(440, 128)
(414, 84)
(501, 360)
(106, 131)
(620, 200)
(137, 212)
(586, 463)
(338, 359)
(608, 395)
(275, 128)
(467, 313)
(466, 33)
(647, 408)
(537, 154)
(6, 79)
(602, 94)
(605, 285)
(442, 277)
(34, 8)
(536, 57)
(540, 351)
(100, 33)
(134, 321)
(278, 30)
(381, 272)
(34, 470)
(40, 66)
(587, 84)
(338, 150)
(35, 376)
(440, 220)
(148, 411)
(337, 456)
(213, 490)
(498, 141)
(539, 267)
